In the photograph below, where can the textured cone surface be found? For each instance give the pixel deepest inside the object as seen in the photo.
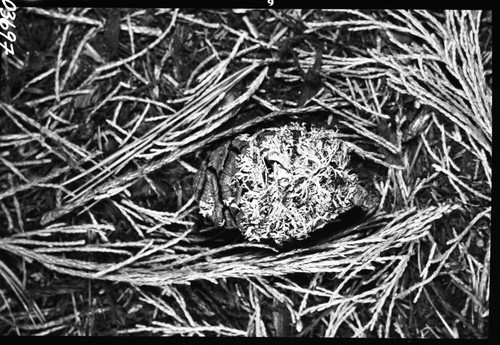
(285, 183)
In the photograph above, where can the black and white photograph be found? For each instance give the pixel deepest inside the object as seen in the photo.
(245, 172)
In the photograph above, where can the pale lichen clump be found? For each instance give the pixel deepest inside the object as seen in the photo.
(293, 182)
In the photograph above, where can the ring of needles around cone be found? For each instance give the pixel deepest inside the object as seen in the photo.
(280, 184)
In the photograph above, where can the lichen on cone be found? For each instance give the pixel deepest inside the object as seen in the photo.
(293, 181)
(290, 181)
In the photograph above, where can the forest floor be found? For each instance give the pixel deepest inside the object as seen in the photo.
(107, 114)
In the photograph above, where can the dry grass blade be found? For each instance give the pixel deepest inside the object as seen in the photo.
(11, 280)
